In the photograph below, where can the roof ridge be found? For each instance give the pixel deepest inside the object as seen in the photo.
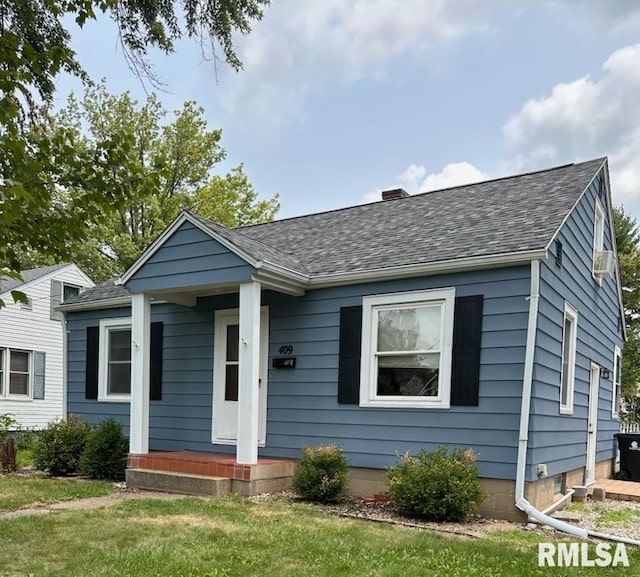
(420, 194)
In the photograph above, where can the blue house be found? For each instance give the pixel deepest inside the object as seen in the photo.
(486, 316)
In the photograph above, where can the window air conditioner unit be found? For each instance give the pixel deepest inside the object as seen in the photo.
(603, 262)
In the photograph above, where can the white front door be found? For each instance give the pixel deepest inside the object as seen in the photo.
(592, 424)
(225, 376)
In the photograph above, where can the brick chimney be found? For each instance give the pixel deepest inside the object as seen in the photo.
(394, 194)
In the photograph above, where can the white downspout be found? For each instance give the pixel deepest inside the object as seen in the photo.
(65, 366)
(523, 439)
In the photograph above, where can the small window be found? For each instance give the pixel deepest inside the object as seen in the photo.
(69, 291)
(115, 360)
(617, 383)
(407, 342)
(569, 340)
(598, 235)
(557, 484)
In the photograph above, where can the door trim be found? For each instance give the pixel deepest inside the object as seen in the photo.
(219, 351)
(592, 424)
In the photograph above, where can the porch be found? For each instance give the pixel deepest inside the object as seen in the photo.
(198, 473)
(618, 490)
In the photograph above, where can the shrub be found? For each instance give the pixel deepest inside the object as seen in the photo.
(105, 455)
(321, 474)
(437, 485)
(60, 446)
(7, 423)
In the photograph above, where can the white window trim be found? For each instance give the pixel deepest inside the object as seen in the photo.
(617, 354)
(571, 313)
(598, 239)
(6, 375)
(103, 356)
(368, 384)
(71, 285)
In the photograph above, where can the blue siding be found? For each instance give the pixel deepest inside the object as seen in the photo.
(189, 258)
(303, 407)
(302, 403)
(561, 440)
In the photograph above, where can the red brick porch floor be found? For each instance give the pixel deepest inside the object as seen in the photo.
(619, 490)
(210, 464)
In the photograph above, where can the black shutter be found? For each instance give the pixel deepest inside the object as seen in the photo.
(467, 334)
(91, 369)
(155, 376)
(350, 347)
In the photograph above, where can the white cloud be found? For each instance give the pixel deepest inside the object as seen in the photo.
(454, 174)
(583, 119)
(300, 46)
(415, 179)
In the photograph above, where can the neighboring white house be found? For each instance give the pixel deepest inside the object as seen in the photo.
(31, 343)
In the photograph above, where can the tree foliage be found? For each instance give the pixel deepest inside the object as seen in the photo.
(37, 162)
(628, 244)
(172, 156)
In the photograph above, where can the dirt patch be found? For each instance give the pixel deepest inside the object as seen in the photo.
(90, 503)
(183, 521)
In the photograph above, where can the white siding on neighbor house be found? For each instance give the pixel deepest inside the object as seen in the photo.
(34, 330)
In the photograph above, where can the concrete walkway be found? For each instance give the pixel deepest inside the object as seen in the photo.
(90, 503)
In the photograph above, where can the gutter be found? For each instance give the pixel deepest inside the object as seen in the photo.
(525, 413)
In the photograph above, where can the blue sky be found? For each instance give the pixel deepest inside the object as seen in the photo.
(340, 99)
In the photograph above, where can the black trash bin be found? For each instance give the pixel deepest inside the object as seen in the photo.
(629, 445)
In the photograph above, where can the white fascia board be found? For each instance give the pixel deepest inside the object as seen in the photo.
(566, 216)
(152, 248)
(607, 186)
(179, 221)
(422, 269)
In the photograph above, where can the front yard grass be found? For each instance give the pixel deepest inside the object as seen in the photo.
(17, 492)
(197, 537)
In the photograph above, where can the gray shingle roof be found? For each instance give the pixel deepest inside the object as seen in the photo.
(29, 275)
(506, 215)
(108, 290)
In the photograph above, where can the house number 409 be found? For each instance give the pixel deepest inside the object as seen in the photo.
(285, 350)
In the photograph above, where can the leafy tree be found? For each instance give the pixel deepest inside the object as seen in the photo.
(173, 161)
(628, 244)
(35, 164)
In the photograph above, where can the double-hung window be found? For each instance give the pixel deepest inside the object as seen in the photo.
(406, 349)
(569, 341)
(115, 360)
(16, 373)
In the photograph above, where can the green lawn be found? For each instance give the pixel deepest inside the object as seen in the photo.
(17, 492)
(194, 537)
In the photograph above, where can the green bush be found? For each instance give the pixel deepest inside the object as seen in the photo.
(321, 474)
(60, 446)
(437, 485)
(26, 439)
(105, 455)
(7, 423)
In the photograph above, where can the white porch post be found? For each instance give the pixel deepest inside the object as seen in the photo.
(140, 351)
(249, 374)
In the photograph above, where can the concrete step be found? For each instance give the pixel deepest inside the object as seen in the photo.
(183, 483)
